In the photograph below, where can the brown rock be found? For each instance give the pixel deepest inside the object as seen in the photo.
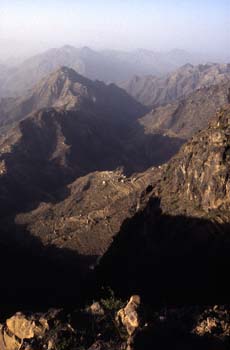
(10, 342)
(129, 315)
(214, 321)
(96, 309)
(25, 328)
(99, 345)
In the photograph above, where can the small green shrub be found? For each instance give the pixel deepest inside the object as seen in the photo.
(111, 303)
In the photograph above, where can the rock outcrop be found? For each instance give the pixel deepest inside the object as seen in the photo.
(197, 179)
(177, 327)
(214, 321)
(33, 332)
(129, 316)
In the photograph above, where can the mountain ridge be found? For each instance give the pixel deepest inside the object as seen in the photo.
(105, 65)
(65, 88)
(153, 91)
(185, 116)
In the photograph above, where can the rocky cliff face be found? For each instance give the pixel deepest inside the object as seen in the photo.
(198, 176)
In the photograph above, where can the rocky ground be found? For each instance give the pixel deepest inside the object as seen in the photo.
(114, 324)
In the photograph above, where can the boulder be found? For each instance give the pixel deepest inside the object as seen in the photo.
(9, 342)
(26, 328)
(129, 316)
(96, 309)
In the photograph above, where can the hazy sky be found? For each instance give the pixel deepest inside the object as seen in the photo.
(197, 25)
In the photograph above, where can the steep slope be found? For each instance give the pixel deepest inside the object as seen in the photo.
(184, 117)
(52, 147)
(92, 212)
(152, 91)
(177, 247)
(67, 89)
(197, 179)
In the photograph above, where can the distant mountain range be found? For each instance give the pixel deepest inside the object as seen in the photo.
(154, 91)
(108, 66)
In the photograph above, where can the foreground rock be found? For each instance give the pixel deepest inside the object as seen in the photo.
(34, 332)
(91, 329)
(214, 321)
(130, 318)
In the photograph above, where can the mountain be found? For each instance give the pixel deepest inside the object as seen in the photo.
(69, 126)
(188, 115)
(154, 91)
(73, 220)
(67, 89)
(53, 156)
(108, 66)
(85, 61)
(177, 246)
(135, 233)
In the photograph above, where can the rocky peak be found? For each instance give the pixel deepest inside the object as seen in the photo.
(63, 87)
